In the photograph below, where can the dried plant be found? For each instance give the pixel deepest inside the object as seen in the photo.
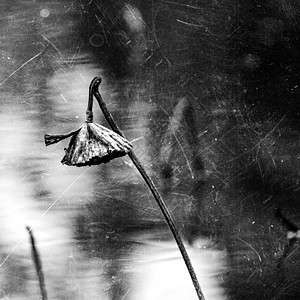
(38, 264)
(93, 144)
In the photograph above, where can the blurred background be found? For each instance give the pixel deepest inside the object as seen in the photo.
(208, 94)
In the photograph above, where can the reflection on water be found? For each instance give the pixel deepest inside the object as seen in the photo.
(152, 269)
(159, 272)
(37, 191)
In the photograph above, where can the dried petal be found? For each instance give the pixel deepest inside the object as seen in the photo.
(55, 138)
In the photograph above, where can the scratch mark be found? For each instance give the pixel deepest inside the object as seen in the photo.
(158, 63)
(137, 139)
(190, 24)
(169, 63)
(229, 35)
(126, 294)
(179, 4)
(185, 157)
(63, 97)
(175, 122)
(23, 65)
(53, 45)
(41, 216)
(258, 144)
(255, 251)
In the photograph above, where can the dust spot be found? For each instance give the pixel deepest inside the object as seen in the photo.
(44, 13)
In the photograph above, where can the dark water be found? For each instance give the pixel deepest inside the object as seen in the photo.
(180, 84)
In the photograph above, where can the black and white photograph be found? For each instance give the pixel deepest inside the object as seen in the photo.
(149, 149)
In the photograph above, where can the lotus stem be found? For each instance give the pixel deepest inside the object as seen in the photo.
(89, 111)
(94, 87)
(37, 264)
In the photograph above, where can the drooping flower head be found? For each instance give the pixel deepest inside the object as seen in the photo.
(91, 144)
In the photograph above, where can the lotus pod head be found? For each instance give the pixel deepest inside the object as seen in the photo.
(91, 144)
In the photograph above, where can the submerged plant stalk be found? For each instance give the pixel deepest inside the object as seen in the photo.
(95, 91)
(38, 265)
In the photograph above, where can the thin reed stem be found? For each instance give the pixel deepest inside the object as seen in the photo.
(95, 89)
(37, 264)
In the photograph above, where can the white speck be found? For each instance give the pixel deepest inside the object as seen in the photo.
(44, 13)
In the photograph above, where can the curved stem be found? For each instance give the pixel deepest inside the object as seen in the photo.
(94, 85)
(89, 110)
(96, 80)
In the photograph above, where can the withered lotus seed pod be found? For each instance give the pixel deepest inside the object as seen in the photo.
(91, 144)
